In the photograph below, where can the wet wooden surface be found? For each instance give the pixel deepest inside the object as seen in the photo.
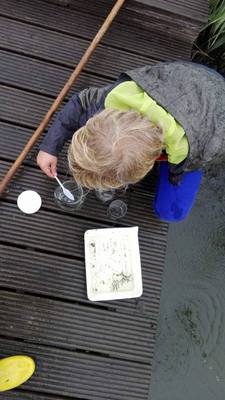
(83, 350)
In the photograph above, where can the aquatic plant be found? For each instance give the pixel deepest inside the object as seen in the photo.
(209, 47)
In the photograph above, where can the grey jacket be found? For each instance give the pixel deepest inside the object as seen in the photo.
(195, 96)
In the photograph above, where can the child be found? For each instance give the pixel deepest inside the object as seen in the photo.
(119, 131)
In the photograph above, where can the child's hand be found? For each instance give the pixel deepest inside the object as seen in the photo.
(47, 163)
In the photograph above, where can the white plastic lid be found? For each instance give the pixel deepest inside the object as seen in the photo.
(29, 202)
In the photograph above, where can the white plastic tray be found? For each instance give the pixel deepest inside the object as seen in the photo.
(113, 265)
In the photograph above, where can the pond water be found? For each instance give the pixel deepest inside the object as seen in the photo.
(190, 350)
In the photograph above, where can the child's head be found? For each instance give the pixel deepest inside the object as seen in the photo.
(113, 149)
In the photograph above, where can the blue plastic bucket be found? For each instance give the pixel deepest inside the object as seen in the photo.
(173, 203)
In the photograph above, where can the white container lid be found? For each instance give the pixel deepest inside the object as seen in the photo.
(29, 202)
(113, 265)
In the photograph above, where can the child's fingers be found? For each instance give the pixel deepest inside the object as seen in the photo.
(47, 171)
(53, 169)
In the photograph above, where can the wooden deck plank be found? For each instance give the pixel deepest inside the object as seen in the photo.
(77, 327)
(63, 278)
(22, 107)
(26, 395)
(81, 375)
(65, 50)
(153, 40)
(197, 11)
(42, 77)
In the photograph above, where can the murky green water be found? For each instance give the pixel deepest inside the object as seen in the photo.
(190, 350)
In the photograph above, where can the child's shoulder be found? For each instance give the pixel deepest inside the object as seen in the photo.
(90, 95)
(94, 95)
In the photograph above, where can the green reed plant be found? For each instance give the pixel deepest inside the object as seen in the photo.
(209, 48)
(216, 24)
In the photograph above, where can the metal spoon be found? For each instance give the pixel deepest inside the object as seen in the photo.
(65, 191)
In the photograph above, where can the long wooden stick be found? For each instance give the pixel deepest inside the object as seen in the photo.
(9, 175)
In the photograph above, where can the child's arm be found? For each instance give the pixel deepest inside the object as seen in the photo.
(177, 149)
(75, 114)
(176, 171)
(63, 128)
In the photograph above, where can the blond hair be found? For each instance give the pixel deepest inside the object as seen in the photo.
(113, 149)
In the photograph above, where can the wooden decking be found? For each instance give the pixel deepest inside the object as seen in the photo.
(83, 350)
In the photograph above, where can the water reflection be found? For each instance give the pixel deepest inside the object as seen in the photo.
(190, 351)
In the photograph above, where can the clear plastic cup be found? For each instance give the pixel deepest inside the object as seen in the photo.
(105, 195)
(117, 209)
(64, 202)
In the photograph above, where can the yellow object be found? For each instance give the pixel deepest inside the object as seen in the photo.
(14, 371)
(129, 96)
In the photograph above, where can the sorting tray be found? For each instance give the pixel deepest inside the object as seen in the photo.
(113, 265)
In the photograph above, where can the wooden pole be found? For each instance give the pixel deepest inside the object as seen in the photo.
(9, 175)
